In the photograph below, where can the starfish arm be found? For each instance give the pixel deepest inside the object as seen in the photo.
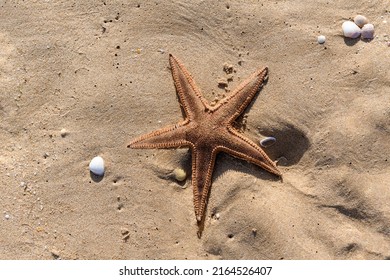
(203, 160)
(168, 137)
(233, 105)
(239, 146)
(190, 97)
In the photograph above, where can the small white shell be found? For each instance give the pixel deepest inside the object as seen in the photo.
(350, 29)
(321, 39)
(368, 31)
(267, 141)
(63, 132)
(96, 166)
(282, 161)
(360, 20)
(180, 174)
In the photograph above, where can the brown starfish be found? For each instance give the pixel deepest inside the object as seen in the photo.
(208, 130)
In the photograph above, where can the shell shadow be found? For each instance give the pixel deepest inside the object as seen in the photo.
(95, 178)
(351, 42)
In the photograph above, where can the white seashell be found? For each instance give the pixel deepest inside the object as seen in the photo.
(368, 31)
(179, 174)
(360, 20)
(63, 132)
(282, 161)
(350, 29)
(268, 141)
(321, 39)
(96, 166)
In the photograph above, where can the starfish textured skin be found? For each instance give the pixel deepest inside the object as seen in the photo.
(208, 130)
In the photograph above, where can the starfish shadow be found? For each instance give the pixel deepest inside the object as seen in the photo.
(291, 143)
(228, 162)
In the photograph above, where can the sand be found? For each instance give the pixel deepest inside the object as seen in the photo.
(99, 70)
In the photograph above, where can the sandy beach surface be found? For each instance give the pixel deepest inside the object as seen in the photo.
(98, 71)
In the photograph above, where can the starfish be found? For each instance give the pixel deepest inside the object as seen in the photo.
(208, 130)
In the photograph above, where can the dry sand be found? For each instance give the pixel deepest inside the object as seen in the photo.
(99, 69)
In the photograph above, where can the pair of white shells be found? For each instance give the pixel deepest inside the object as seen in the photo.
(358, 27)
